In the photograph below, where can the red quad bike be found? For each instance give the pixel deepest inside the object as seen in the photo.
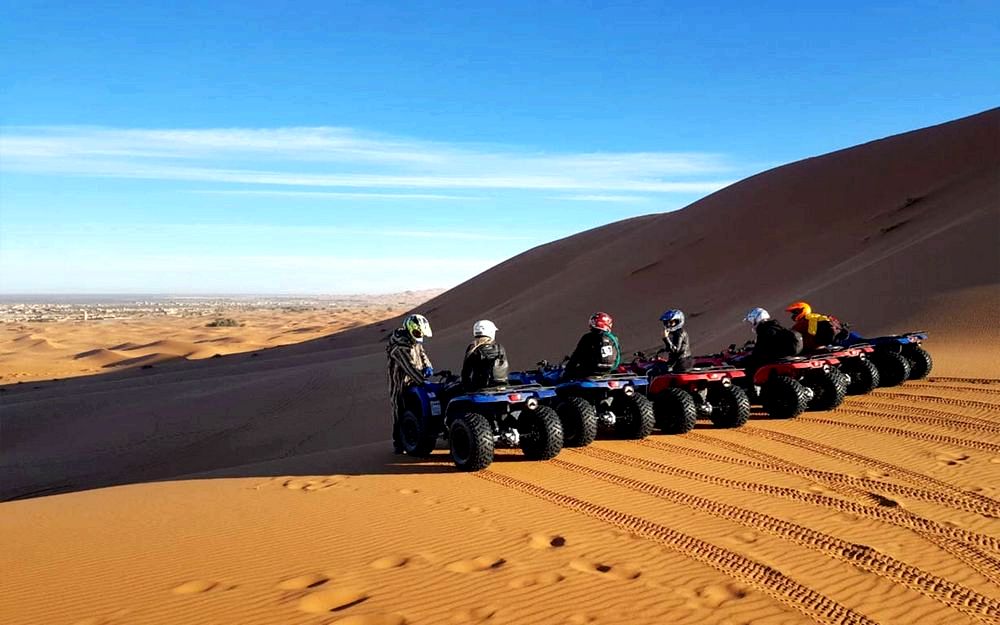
(789, 386)
(854, 362)
(679, 398)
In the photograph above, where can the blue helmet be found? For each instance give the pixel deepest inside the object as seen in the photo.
(673, 319)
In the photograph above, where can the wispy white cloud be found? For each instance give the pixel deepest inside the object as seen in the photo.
(338, 195)
(624, 199)
(345, 158)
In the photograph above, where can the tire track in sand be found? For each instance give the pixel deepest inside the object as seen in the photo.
(949, 422)
(913, 477)
(924, 527)
(931, 386)
(939, 439)
(955, 596)
(944, 401)
(986, 381)
(768, 580)
(858, 487)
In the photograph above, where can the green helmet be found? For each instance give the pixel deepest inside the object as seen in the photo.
(418, 327)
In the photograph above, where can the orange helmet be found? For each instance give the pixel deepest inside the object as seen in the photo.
(799, 310)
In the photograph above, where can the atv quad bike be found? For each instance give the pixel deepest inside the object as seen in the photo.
(786, 387)
(855, 362)
(612, 402)
(899, 357)
(679, 398)
(477, 423)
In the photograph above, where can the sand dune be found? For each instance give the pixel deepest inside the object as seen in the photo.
(281, 504)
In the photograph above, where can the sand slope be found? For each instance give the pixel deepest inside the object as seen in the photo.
(276, 511)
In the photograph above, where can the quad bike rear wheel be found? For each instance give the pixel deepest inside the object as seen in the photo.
(636, 419)
(541, 433)
(829, 388)
(676, 411)
(920, 360)
(730, 406)
(579, 421)
(417, 434)
(864, 376)
(471, 442)
(783, 397)
(893, 369)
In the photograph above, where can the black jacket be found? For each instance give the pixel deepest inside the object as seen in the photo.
(596, 353)
(485, 365)
(775, 341)
(677, 348)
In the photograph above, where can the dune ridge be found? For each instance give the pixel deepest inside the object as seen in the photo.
(260, 489)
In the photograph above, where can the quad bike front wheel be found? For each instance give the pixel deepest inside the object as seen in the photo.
(829, 388)
(893, 369)
(675, 411)
(579, 421)
(635, 417)
(864, 376)
(541, 433)
(730, 406)
(417, 434)
(471, 442)
(783, 397)
(920, 361)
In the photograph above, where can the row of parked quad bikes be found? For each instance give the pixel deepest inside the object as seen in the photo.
(540, 412)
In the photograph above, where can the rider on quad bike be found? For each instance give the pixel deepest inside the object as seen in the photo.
(676, 350)
(408, 366)
(597, 352)
(485, 363)
(817, 330)
(773, 341)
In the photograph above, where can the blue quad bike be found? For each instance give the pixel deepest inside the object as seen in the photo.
(898, 357)
(613, 402)
(477, 423)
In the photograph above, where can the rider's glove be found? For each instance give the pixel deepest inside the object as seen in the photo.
(428, 372)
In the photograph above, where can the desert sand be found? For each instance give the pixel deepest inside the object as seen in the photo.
(261, 489)
(32, 350)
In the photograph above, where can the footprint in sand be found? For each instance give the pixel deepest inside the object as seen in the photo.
(616, 571)
(389, 562)
(546, 541)
(476, 565)
(746, 538)
(371, 619)
(951, 459)
(538, 579)
(110, 619)
(581, 619)
(712, 596)
(408, 491)
(309, 484)
(195, 587)
(302, 582)
(473, 509)
(473, 615)
(331, 600)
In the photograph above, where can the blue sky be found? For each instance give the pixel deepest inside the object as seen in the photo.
(325, 147)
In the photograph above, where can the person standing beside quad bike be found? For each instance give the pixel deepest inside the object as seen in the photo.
(408, 366)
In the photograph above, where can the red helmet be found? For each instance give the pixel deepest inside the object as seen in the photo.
(601, 321)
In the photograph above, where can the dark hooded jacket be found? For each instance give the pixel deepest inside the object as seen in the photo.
(677, 349)
(596, 353)
(485, 364)
(774, 341)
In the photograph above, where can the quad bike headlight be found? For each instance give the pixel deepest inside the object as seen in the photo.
(629, 390)
(531, 404)
(727, 382)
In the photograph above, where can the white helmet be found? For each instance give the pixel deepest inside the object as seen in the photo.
(756, 315)
(484, 327)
